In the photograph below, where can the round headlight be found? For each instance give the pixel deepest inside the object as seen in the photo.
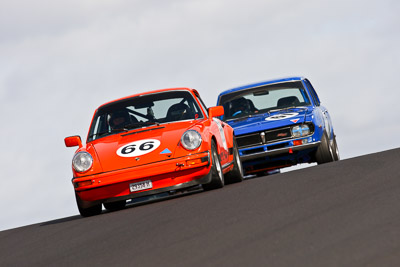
(300, 130)
(296, 131)
(305, 130)
(191, 139)
(82, 161)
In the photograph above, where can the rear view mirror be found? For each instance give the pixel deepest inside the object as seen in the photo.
(261, 92)
(216, 111)
(72, 141)
(144, 105)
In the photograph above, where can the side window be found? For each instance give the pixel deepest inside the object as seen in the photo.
(312, 92)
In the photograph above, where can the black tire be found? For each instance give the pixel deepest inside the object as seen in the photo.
(217, 176)
(86, 208)
(335, 147)
(236, 174)
(114, 206)
(324, 153)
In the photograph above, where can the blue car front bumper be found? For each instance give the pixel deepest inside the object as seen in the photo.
(246, 156)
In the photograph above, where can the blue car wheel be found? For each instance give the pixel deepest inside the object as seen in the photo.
(325, 152)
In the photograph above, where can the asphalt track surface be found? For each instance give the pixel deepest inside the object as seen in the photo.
(344, 213)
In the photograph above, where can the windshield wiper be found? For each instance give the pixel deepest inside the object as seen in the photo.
(279, 109)
(240, 118)
(286, 108)
(140, 124)
(142, 131)
(126, 128)
(109, 132)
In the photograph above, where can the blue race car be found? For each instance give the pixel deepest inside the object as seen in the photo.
(279, 123)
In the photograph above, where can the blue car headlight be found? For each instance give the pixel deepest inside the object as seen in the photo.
(300, 130)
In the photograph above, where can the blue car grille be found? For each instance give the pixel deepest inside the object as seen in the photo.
(271, 136)
(277, 135)
(249, 140)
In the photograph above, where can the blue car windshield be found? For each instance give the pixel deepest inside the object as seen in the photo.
(264, 99)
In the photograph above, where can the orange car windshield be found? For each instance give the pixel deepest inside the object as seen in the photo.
(143, 111)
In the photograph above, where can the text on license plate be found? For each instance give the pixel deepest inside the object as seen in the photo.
(140, 186)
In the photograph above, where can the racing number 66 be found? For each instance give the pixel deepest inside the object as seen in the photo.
(147, 145)
(138, 148)
(144, 147)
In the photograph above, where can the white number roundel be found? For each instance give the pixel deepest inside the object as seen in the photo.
(281, 116)
(138, 148)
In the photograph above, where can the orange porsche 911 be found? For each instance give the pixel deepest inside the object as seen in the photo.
(149, 143)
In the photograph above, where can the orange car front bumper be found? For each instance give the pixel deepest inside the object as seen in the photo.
(164, 175)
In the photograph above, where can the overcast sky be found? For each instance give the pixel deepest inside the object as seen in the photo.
(60, 60)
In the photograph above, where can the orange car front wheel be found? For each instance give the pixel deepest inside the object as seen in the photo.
(236, 174)
(87, 208)
(217, 176)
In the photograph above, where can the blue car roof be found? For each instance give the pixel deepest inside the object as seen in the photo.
(260, 84)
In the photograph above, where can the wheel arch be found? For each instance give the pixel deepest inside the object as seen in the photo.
(213, 138)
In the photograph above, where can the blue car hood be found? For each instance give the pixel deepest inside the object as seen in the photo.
(266, 121)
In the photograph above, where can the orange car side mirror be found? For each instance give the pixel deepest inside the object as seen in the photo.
(216, 111)
(73, 141)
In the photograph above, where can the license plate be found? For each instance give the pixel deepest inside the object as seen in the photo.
(140, 186)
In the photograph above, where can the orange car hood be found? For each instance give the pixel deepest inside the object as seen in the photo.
(141, 146)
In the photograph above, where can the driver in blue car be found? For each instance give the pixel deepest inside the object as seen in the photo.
(242, 106)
